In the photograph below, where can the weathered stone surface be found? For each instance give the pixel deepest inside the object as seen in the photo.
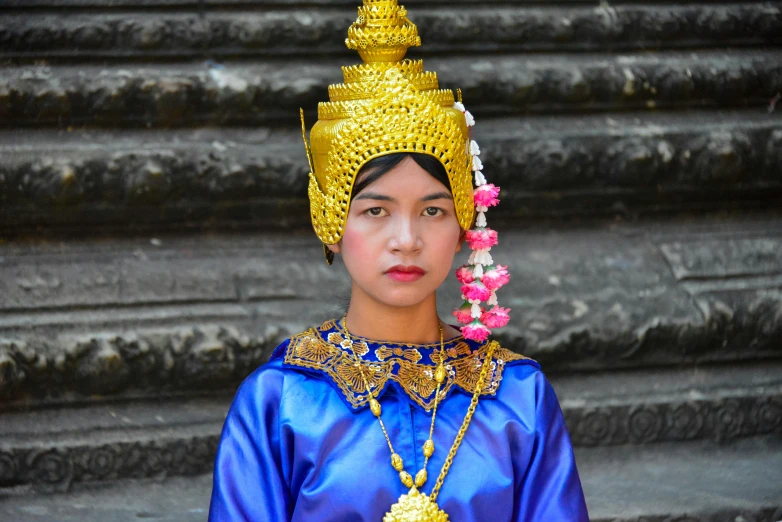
(154, 500)
(659, 483)
(96, 317)
(144, 305)
(699, 482)
(316, 31)
(254, 94)
(53, 449)
(589, 165)
(622, 277)
(714, 403)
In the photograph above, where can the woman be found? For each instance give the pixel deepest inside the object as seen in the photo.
(388, 413)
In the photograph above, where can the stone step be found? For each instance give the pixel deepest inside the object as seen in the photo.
(60, 445)
(626, 164)
(55, 447)
(695, 481)
(692, 482)
(153, 500)
(271, 92)
(105, 316)
(317, 31)
(718, 403)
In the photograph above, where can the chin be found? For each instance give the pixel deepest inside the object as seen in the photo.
(405, 297)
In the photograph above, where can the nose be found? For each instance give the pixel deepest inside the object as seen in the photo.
(405, 238)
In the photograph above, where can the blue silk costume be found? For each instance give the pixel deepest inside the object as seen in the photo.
(301, 444)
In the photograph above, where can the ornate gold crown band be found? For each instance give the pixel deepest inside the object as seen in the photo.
(390, 105)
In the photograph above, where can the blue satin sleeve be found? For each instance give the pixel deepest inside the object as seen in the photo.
(249, 478)
(549, 487)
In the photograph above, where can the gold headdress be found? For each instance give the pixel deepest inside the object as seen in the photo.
(387, 105)
(390, 105)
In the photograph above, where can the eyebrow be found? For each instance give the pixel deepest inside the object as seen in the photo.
(382, 197)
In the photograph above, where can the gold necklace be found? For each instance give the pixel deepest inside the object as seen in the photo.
(416, 506)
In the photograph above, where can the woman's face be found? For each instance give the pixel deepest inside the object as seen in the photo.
(405, 218)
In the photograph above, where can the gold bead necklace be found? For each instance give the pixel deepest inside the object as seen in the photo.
(416, 506)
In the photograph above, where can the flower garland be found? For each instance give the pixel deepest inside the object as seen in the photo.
(481, 278)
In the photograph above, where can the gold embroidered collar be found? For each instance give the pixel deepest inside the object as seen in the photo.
(409, 367)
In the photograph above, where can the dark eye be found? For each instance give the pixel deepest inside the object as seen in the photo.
(375, 211)
(432, 211)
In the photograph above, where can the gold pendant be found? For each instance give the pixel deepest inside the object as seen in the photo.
(415, 507)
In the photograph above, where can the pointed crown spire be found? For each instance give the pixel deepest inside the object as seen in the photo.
(382, 32)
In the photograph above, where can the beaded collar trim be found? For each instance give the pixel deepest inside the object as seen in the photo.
(407, 367)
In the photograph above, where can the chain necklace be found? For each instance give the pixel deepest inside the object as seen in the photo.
(416, 506)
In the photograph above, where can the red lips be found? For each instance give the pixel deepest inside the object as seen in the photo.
(405, 274)
(412, 269)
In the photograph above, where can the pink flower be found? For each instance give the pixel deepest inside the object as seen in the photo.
(496, 277)
(486, 195)
(476, 290)
(481, 238)
(462, 314)
(476, 331)
(464, 275)
(497, 317)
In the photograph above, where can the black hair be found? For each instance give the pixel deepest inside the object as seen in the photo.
(378, 167)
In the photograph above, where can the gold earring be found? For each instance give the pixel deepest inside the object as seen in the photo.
(329, 255)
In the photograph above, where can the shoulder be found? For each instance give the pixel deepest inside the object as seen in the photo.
(268, 382)
(275, 373)
(297, 342)
(527, 377)
(522, 376)
(514, 364)
(263, 386)
(305, 336)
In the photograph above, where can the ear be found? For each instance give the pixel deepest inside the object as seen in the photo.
(461, 241)
(335, 248)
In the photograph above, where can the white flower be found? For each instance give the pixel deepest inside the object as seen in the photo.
(481, 257)
(475, 311)
(480, 179)
(475, 150)
(493, 299)
(481, 221)
(478, 271)
(459, 106)
(469, 118)
(477, 164)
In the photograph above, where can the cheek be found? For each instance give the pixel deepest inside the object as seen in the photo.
(358, 250)
(443, 246)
